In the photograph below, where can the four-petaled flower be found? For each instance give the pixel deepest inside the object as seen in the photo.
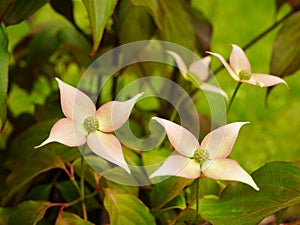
(197, 73)
(209, 157)
(84, 124)
(240, 69)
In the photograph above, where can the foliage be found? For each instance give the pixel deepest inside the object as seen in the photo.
(41, 40)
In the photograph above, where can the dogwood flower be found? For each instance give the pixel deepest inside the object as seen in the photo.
(209, 157)
(84, 124)
(240, 69)
(197, 73)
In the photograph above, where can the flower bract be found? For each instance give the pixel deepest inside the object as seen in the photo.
(239, 69)
(84, 124)
(210, 157)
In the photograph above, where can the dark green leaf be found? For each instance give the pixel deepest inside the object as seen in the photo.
(121, 188)
(172, 19)
(185, 217)
(99, 11)
(166, 191)
(89, 173)
(26, 163)
(153, 7)
(176, 203)
(28, 49)
(66, 218)
(207, 186)
(65, 8)
(29, 213)
(292, 3)
(22, 9)
(134, 23)
(202, 29)
(286, 50)
(4, 215)
(39, 192)
(5, 7)
(25, 171)
(126, 209)
(4, 62)
(239, 204)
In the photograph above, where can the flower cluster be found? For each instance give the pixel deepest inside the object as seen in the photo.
(84, 124)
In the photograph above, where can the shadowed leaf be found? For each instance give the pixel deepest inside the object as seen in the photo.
(66, 218)
(167, 190)
(126, 209)
(22, 9)
(29, 213)
(5, 7)
(99, 11)
(286, 50)
(4, 62)
(239, 204)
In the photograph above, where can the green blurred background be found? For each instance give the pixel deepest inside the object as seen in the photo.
(273, 132)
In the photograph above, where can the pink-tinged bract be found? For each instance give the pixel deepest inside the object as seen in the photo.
(197, 73)
(240, 69)
(81, 112)
(218, 144)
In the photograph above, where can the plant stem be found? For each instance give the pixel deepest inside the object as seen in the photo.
(233, 96)
(197, 198)
(82, 189)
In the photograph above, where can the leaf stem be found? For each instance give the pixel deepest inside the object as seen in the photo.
(82, 196)
(233, 96)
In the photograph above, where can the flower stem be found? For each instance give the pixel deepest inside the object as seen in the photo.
(197, 198)
(84, 212)
(233, 96)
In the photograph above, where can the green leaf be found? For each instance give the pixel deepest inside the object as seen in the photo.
(26, 163)
(4, 62)
(29, 213)
(99, 11)
(4, 215)
(4, 8)
(121, 188)
(239, 204)
(172, 19)
(153, 7)
(64, 8)
(22, 9)
(134, 23)
(187, 216)
(286, 50)
(293, 3)
(176, 30)
(126, 209)
(39, 192)
(66, 218)
(27, 51)
(166, 191)
(176, 203)
(24, 172)
(203, 30)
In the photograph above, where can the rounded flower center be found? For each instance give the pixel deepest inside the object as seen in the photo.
(91, 124)
(244, 75)
(200, 155)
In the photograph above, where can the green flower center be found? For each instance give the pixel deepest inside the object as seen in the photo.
(244, 75)
(200, 155)
(91, 124)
